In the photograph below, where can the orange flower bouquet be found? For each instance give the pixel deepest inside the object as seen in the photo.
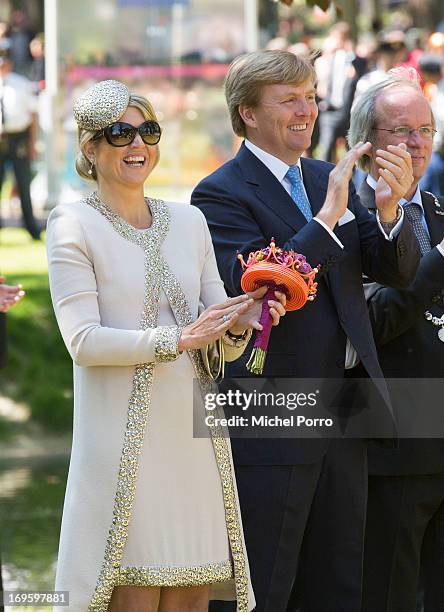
(280, 270)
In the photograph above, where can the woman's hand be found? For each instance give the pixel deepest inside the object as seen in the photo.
(10, 295)
(235, 314)
(214, 322)
(251, 317)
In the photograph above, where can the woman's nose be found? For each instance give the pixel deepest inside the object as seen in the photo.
(137, 142)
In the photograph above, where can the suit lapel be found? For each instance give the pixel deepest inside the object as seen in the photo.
(315, 189)
(435, 222)
(367, 195)
(268, 189)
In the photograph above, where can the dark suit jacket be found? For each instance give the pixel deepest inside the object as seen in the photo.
(408, 345)
(245, 206)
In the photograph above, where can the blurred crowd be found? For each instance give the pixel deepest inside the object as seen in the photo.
(345, 69)
(24, 46)
(22, 78)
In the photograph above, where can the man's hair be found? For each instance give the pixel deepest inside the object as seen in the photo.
(250, 72)
(364, 118)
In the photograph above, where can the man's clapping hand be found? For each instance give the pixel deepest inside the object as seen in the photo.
(336, 199)
(395, 179)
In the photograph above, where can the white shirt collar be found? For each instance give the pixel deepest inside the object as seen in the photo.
(416, 196)
(371, 181)
(417, 199)
(274, 164)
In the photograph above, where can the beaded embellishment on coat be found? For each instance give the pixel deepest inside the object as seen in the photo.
(158, 276)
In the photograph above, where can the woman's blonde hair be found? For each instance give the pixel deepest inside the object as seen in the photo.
(250, 72)
(82, 164)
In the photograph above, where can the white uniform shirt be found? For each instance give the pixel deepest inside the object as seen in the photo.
(18, 103)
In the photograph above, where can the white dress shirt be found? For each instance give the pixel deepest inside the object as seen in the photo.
(395, 231)
(280, 169)
(19, 103)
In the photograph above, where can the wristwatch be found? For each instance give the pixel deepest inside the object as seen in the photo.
(387, 226)
(237, 339)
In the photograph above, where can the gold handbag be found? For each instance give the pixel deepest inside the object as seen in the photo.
(214, 359)
(213, 355)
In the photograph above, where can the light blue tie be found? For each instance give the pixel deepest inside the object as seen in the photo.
(298, 192)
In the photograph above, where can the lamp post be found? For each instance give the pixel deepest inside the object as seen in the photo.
(251, 25)
(50, 95)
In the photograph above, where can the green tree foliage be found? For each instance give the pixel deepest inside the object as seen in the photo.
(39, 370)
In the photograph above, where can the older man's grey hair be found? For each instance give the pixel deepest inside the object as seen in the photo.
(363, 119)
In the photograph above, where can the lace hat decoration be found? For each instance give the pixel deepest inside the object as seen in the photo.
(101, 104)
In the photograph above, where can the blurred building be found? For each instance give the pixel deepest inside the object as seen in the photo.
(174, 52)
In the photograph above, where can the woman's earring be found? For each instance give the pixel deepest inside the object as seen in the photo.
(90, 171)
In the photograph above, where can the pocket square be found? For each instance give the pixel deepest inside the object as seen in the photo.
(346, 217)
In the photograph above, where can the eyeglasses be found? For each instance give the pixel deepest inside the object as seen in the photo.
(120, 134)
(404, 132)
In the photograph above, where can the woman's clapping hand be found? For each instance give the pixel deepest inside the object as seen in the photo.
(235, 314)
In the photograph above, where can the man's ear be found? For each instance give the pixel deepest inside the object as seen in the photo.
(248, 115)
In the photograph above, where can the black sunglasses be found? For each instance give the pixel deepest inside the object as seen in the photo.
(120, 134)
